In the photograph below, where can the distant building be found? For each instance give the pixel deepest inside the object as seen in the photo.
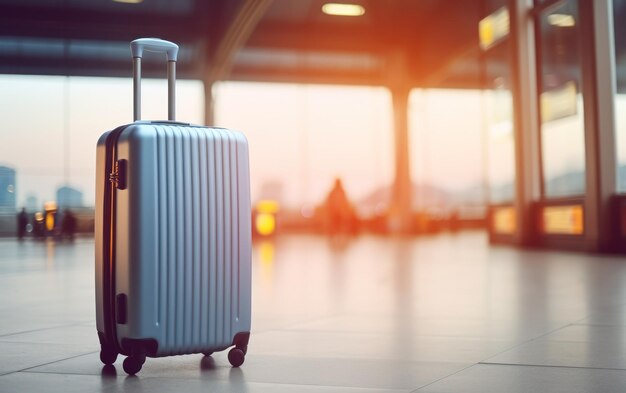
(7, 190)
(68, 197)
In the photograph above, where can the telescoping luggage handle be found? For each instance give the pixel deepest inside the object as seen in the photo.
(154, 45)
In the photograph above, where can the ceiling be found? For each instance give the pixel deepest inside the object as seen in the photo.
(432, 43)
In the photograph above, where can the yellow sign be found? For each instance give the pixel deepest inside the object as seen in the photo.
(493, 28)
(563, 220)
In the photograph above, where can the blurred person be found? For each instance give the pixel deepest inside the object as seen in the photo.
(22, 223)
(68, 226)
(39, 226)
(340, 215)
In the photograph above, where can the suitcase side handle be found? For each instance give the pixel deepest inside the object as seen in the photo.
(154, 45)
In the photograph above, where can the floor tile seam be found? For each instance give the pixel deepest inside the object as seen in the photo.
(374, 358)
(546, 339)
(365, 389)
(123, 376)
(416, 390)
(415, 362)
(550, 366)
(447, 336)
(577, 322)
(622, 325)
(525, 342)
(56, 361)
(42, 329)
(33, 370)
(55, 344)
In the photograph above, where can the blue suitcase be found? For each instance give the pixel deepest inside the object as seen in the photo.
(173, 235)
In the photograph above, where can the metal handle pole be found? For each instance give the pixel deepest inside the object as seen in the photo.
(171, 90)
(136, 88)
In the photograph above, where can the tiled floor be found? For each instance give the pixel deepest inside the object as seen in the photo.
(440, 314)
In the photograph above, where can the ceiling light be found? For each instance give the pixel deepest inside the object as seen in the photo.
(561, 20)
(128, 1)
(341, 9)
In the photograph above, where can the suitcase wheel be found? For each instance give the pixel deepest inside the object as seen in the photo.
(132, 364)
(108, 356)
(236, 357)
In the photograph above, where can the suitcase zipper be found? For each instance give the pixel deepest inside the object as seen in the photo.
(113, 167)
(119, 174)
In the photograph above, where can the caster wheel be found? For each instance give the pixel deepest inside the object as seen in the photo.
(236, 357)
(132, 365)
(108, 356)
(207, 353)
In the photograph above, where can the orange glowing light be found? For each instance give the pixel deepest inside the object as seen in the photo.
(341, 9)
(493, 28)
(49, 221)
(504, 220)
(265, 224)
(563, 220)
(561, 20)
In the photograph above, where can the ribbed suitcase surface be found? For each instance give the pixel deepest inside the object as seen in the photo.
(182, 237)
(199, 232)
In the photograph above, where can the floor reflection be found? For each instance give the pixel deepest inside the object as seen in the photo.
(371, 312)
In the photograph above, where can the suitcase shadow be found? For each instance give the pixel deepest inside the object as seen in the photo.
(235, 374)
(207, 363)
(108, 371)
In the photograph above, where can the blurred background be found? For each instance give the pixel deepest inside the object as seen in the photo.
(407, 117)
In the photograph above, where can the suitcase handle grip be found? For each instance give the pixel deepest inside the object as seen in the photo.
(154, 45)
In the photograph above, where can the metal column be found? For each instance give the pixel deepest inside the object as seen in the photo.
(209, 103)
(400, 214)
(598, 65)
(526, 120)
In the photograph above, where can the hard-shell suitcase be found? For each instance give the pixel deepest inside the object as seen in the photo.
(173, 235)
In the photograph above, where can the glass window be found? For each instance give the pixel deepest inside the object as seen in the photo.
(302, 137)
(447, 152)
(501, 144)
(561, 102)
(619, 13)
(48, 144)
(498, 106)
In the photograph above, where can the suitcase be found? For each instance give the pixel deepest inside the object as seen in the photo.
(173, 235)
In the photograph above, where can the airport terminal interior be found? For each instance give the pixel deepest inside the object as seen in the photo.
(438, 189)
